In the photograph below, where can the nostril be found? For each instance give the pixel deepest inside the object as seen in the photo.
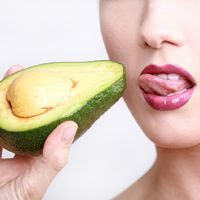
(152, 44)
(157, 45)
(146, 44)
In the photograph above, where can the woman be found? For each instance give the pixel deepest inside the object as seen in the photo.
(157, 41)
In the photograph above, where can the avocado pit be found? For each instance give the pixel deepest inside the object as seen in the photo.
(37, 92)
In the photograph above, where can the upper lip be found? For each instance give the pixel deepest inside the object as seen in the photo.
(168, 69)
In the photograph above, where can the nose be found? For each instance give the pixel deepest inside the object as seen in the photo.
(159, 27)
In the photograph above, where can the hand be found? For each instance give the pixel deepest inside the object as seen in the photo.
(26, 177)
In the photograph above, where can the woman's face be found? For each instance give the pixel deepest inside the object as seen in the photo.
(139, 33)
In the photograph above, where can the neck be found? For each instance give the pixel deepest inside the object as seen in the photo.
(177, 171)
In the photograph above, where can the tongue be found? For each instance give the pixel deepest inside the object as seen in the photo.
(156, 85)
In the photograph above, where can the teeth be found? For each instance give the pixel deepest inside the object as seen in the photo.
(174, 77)
(163, 76)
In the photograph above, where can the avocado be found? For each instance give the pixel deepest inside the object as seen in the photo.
(36, 100)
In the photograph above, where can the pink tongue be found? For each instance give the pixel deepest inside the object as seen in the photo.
(156, 85)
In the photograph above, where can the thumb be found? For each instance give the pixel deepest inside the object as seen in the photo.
(57, 145)
(35, 181)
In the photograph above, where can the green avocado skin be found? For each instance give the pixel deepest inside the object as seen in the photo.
(31, 142)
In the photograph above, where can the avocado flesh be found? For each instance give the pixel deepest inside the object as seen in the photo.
(95, 86)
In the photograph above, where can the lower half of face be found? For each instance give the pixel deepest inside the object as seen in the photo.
(178, 128)
(172, 128)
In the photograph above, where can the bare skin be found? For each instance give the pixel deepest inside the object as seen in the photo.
(174, 175)
(142, 32)
(20, 174)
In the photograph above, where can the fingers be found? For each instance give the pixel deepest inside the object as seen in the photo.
(10, 168)
(13, 69)
(35, 181)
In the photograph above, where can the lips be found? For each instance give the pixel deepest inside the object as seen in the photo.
(166, 87)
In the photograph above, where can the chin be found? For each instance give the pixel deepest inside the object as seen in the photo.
(176, 129)
(173, 138)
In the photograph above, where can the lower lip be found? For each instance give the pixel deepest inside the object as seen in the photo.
(168, 102)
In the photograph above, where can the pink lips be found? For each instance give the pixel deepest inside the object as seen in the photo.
(172, 101)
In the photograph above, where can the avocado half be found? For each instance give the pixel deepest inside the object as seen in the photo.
(34, 101)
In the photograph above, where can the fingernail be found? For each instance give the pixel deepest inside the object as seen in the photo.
(69, 133)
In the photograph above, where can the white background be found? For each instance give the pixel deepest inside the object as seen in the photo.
(114, 152)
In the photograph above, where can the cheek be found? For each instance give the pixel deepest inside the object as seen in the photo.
(120, 22)
(120, 47)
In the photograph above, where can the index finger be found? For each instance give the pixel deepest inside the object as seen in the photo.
(12, 70)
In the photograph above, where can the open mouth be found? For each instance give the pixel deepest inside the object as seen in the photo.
(166, 87)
